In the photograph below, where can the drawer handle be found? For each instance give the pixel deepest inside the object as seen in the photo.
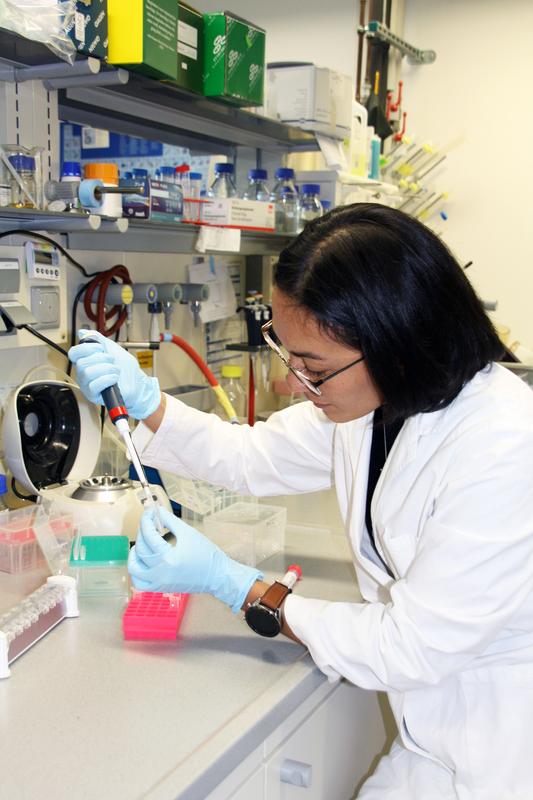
(296, 773)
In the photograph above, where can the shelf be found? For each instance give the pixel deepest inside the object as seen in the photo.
(154, 110)
(33, 220)
(157, 237)
(95, 233)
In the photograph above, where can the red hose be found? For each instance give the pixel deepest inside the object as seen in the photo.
(191, 352)
(101, 282)
(251, 393)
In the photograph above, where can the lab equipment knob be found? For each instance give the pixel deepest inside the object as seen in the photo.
(296, 773)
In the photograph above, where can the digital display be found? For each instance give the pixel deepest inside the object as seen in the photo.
(42, 257)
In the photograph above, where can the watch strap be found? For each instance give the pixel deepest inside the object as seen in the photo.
(275, 595)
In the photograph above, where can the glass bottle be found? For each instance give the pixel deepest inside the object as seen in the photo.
(71, 173)
(193, 207)
(310, 205)
(223, 185)
(257, 188)
(5, 186)
(168, 174)
(231, 382)
(285, 197)
(25, 168)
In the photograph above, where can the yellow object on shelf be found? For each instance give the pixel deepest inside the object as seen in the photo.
(143, 36)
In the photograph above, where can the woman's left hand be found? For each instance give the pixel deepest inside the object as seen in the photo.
(193, 565)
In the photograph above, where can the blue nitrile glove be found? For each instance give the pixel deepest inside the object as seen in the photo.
(193, 565)
(105, 363)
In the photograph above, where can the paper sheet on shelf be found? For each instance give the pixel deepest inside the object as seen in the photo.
(222, 302)
(227, 240)
(333, 152)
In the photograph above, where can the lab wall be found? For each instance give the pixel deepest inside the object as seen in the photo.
(302, 30)
(476, 95)
(479, 90)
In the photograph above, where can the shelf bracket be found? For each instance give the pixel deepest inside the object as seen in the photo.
(376, 30)
(86, 72)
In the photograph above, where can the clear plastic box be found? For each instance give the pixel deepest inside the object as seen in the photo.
(248, 532)
(55, 532)
(100, 565)
(19, 548)
(199, 498)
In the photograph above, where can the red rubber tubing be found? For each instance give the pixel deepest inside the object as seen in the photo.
(101, 282)
(251, 393)
(191, 352)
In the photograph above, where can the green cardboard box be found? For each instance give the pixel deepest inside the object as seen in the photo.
(143, 36)
(234, 59)
(190, 48)
(89, 28)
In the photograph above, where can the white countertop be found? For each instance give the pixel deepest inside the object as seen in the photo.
(86, 715)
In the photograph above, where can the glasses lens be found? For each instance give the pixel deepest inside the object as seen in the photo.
(273, 341)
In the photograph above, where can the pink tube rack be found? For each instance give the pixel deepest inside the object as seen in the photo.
(152, 615)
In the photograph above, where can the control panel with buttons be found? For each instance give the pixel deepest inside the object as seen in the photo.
(42, 261)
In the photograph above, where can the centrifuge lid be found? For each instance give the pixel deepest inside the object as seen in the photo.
(51, 434)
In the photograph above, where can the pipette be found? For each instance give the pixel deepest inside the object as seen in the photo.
(119, 416)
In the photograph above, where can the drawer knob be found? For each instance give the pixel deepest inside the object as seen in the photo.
(296, 773)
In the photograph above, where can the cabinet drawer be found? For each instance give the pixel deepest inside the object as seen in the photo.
(331, 751)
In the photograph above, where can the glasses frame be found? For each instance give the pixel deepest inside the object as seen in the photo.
(313, 386)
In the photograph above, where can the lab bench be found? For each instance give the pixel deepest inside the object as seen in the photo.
(219, 713)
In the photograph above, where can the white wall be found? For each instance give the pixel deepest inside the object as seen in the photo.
(302, 30)
(480, 88)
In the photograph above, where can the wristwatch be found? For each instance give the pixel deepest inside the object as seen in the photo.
(264, 614)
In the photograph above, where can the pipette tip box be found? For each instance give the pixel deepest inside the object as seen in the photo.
(153, 615)
(100, 565)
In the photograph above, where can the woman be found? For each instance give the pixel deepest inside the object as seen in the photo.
(430, 447)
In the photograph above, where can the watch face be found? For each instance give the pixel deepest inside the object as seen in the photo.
(263, 621)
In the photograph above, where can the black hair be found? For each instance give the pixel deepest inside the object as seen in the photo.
(378, 280)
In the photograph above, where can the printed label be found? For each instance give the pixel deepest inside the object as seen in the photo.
(187, 34)
(185, 50)
(79, 27)
(145, 359)
(219, 45)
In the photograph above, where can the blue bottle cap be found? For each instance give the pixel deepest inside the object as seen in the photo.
(258, 174)
(285, 174)
(310, 188)
(195, 176)
(3, 484)
(71, 169)
(326, 204)
(140, 173)
(222, 169)
(128, 176)
(171, 171)
(22, 162)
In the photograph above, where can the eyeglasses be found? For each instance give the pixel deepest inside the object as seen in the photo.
(313, 386)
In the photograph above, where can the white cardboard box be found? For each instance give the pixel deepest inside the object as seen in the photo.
(231, 212)
(314, 98)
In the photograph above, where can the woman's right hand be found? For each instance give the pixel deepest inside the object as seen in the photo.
(105, 363)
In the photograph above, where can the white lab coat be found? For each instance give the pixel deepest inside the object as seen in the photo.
(450, 637)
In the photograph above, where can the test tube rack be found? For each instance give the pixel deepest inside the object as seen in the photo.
(26, 623)
(153, 615)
